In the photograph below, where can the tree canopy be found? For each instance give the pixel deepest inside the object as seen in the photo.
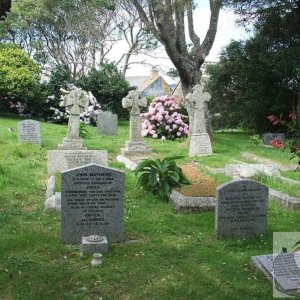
(262, 75)
(19, 75)
(169, 20)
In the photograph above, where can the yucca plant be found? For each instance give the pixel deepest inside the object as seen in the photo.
(159, 177)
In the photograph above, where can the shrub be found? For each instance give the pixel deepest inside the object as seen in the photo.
(19, 79)
(159, 177)
(108, 86)
(164, 119)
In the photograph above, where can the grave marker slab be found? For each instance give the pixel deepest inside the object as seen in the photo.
(29, 131)
(61, 160)
(283, 269)
(92, 203)
(241, 209)
(107, 123)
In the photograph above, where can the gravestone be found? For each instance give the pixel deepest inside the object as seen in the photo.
(283, 269)
(61, 160)
(270, 136)
(92, 203)
(136, 144)
(76, 101)
(107, 123)
(195, 103)
(29, 131)
(241, 209)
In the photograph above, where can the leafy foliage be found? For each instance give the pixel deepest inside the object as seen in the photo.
(159, 177)
(19, 77)
(108, 86)
(293, 127)
(261, 76)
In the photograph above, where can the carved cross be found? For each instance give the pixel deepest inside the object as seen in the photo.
(75, 101)
(195, 103)
(133, 102)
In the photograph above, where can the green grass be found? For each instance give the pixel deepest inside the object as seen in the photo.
(295, 175)
(173, 256)
(279, 185)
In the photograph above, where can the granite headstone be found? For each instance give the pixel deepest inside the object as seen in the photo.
(92, 203)
(107, 123)
(29, 131)
(241, 209)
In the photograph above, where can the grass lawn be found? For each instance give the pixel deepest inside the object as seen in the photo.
(166, 255)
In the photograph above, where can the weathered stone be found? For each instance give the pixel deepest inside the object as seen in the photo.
(200, 144)
(89, 247)
(131, 165)
(196, 103)
(107, 123)
(250, 170)
(192, 204)
(75, 101)
(241, 209)
(285, 200)
(92, 203)
(61, 160)
(29, 131)
(50, 187)
(136, 144)
(53, 203)
(270, 136)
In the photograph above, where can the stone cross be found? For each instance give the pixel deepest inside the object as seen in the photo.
(196, 106)
(195, 103)
(75, 101)
(133, 102)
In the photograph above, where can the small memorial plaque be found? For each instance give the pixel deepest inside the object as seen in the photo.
(241, 209)
(29, 131)
(92, 202)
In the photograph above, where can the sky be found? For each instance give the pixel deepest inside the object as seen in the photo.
(227, 30)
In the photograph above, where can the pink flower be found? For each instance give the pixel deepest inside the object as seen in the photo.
(167, 127)
(155, 136)
(159, 117)
(277, 144)
(273, 119)
(293, 116)
(152, 110)
(178, 133)
(145, 132)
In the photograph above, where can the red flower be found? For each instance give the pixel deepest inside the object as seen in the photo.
(277, 144)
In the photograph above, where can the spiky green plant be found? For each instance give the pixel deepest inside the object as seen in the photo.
(159, 177)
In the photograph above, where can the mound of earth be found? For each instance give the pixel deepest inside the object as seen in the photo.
(202, 185)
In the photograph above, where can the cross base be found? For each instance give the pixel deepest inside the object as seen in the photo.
(71, 144)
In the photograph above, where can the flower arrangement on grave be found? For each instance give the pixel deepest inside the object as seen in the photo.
(164, 119)
(293, 127)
